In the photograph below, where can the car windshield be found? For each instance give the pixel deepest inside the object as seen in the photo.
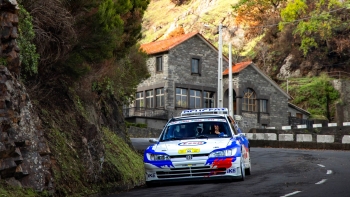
(196, 128)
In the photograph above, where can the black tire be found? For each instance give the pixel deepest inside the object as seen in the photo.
(248, 170)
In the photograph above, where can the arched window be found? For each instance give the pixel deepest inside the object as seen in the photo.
(249, 100)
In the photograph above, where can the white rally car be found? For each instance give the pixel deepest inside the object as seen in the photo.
(201, 144)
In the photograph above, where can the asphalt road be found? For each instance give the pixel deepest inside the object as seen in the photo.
(275, 172)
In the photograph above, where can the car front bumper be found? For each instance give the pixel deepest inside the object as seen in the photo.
(219, 168)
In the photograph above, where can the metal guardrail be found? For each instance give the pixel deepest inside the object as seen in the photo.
(145, 112)
(339, 74)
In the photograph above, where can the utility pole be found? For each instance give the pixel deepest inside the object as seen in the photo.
(230, 110)
(220, 91)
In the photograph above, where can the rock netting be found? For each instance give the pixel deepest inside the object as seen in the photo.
(24, 153)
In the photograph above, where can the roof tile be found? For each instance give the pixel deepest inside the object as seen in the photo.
(237, 67)
(165, 45)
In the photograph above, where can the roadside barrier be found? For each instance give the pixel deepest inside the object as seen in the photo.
(332, 137)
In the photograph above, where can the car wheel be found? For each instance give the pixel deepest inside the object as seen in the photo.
(242, 170)
(248, 170)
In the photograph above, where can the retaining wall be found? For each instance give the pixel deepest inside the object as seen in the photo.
(337, 138)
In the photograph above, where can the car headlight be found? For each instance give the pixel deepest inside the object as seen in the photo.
(223, 153)
(158, 157)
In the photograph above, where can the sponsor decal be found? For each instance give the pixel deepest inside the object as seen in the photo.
(230, 171)
(189, 150)
(192, 143)
(222, 163)
(152, 175)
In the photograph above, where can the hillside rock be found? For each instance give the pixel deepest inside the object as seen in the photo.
(24, 153)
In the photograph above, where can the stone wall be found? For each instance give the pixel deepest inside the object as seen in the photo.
(9, 32)
(180, 70)
(24, 153)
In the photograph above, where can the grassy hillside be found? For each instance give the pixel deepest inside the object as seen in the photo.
(314, 94)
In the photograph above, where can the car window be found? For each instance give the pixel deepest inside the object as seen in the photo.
(196, 128)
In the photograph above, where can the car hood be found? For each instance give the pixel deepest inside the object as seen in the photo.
(196, 146)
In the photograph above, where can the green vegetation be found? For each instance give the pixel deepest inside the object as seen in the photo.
(121, 162)
(82, 64)
(74, 177)
(320, 24)
(11, 191)
(315, 94)
(28, 55)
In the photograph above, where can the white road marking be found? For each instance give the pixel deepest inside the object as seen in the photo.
(322, 181)
(321, 165)
(329, 171)
(290, 194)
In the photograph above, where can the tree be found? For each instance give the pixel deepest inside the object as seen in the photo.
(257, 13)
(316, 21)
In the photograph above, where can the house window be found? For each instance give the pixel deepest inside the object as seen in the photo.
(299, 115)
(263, 105)
(149, 99)
(208, 99)
(181, 97)
(139, 100)
(195, 66)
(195, 99)
(160, 97)
(249, 100)
(159, 64)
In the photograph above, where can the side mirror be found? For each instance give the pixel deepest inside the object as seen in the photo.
(152, 140)
(237, 117)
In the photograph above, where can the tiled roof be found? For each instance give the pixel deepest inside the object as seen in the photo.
(165, 45)
(237, 67)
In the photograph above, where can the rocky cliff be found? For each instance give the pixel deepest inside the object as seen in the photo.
(24, 152)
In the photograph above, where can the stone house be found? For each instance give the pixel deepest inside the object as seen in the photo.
(184, 75)
(256, 97)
